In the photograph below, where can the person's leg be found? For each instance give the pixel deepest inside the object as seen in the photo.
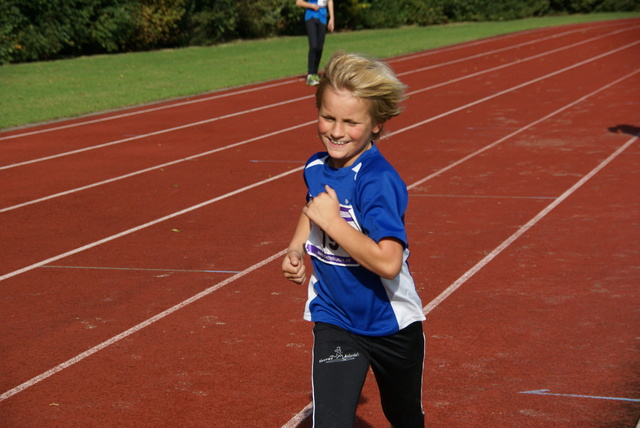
(397, 362)
(312, 36)
(321, 31)
(339, 371)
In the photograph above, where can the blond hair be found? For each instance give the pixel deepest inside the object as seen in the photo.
(365, 78)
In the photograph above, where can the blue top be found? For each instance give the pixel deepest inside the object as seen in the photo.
(373, 199)
(321, 14)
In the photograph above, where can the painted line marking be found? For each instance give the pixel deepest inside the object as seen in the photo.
(146, 225)
(156, 167)
(138, 327)
(521, 231)
(140, 269)
(150, 110)
(546, 392)
(277, 160)
(424, 195)
(519, 61)
(463, 45)
(300, 416)
(233, 278)
(159, 132)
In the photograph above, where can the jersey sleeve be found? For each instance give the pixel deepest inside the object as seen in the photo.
(383, 201)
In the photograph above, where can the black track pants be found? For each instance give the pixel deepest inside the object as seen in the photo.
(316, 32)
(340, 364)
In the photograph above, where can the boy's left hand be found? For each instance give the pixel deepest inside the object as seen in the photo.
(324, 208)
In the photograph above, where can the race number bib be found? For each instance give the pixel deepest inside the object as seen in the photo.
(323, 247)
(322, 3)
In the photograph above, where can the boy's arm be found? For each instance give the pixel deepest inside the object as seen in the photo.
(383, 258)
(293, 266)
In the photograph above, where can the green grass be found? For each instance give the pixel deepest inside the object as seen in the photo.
(44, 91)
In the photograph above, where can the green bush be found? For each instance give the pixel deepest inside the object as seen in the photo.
(35, 30)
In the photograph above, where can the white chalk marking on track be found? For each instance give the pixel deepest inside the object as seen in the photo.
(522, 85)
(482, 263)
(149, 110)
(142, 171)
(144, 226)
(160, 132)
(463, 45)
(305, 124)
(138, 327)
(139, 269)
(540, 55)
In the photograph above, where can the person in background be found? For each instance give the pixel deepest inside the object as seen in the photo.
(362, 298)
(318, 18)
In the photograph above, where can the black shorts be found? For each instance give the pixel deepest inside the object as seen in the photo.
(340, 363)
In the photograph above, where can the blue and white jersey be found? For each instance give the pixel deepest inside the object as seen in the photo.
(373, 199)
(320, 14)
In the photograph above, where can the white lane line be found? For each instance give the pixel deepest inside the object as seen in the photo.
(130, 269)
(298, 126)
(146, 225)
(160, 132)
(298, 417)
(482, 263)
(524, 128)
(136, 328)
(164, 165)
(430, 195)
(540, 55)
(522, 85)
(463, 45)
(149, 110)
(597, 397)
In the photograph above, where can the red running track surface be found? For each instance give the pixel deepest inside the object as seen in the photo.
(140, 274)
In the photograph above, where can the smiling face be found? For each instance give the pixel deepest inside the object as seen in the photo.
(345, 126)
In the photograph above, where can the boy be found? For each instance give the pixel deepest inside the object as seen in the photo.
(362, 297)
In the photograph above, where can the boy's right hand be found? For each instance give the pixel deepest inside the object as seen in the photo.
(293, 267)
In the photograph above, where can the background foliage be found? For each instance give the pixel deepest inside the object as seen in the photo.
(35, 30)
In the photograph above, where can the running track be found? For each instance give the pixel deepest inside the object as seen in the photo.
(140, 278)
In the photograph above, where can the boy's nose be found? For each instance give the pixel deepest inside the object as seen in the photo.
(337, 131)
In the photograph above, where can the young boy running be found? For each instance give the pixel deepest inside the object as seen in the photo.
(361, 296)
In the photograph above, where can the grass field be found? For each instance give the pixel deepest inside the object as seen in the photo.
(45, 91)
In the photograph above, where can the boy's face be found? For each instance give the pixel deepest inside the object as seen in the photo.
(344, 126)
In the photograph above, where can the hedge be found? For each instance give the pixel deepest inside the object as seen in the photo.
(36, 30)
